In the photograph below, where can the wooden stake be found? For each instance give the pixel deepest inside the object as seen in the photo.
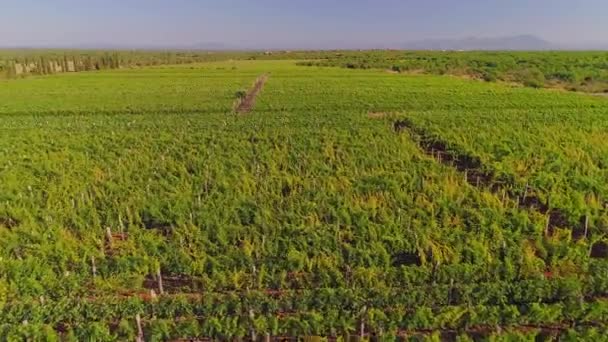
(109, 236)
(362, 326)
(93, 266)
(121, 224)
(160, 281)
(586, 225)
(140, 331)
(451, 290)
(362, 329)
(253, 334)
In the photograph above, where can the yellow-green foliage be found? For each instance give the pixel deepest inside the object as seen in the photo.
(304, 218)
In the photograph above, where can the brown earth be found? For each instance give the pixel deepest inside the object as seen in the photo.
(245, 105)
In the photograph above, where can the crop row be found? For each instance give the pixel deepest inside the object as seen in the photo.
(115, 317)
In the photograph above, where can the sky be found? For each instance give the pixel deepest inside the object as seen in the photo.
(295, 23)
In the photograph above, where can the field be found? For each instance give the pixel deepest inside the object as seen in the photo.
(583, 71)
(346, 204)
(580, 71)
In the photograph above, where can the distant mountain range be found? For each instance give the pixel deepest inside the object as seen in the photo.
(523, 42)
(520, 42)
(514, 43)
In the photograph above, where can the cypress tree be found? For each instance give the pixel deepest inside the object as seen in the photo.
(65, 63)
(11, 71)
(77, 62)
(116, 61)
(40, 67)
(88, 64)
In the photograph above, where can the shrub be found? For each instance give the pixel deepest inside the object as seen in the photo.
(531, 78)
(240, 94)
(564, 76)
(489, 76)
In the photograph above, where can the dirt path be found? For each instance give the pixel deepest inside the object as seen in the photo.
(245, 105)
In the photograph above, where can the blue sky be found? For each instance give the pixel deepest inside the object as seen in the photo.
(269, 23)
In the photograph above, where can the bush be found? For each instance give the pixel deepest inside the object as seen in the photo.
(240, 94)
(531, 78)
(489, 76)
(564, 76)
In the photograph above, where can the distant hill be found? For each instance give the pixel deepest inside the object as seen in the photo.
(212, 46)
(522, 42)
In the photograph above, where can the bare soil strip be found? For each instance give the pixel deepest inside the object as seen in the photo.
(476, 174)
(180, 284)
(245, 105)
(549, 332)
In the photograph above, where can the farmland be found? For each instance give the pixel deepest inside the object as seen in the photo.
(584, 71)
(346, 202)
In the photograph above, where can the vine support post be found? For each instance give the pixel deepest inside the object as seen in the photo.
(254, 336)
(140, 331)
(159, 276)
(362, 325)
(109, 236)
(93, 266)
(586, 225)
(451, 291)
(254, 271)
(121, 225)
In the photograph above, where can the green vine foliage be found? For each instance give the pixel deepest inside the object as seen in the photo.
(139, 195)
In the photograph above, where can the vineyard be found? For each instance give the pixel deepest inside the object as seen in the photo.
(580, 71)
(574, 70)
(347, 204)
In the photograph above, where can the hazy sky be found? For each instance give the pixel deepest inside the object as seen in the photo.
(268, 23)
